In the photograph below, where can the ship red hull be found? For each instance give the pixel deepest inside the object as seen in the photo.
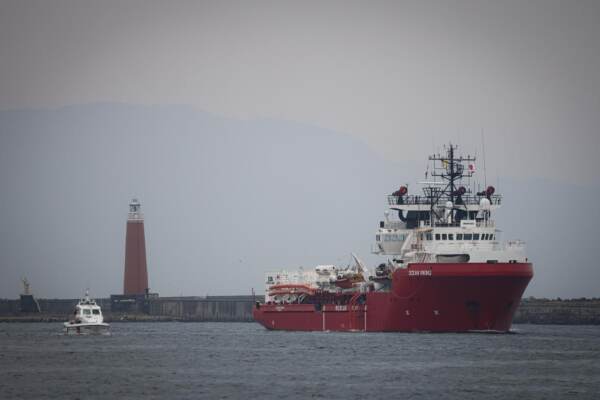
(459, 297)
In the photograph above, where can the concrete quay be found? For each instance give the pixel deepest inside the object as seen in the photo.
(239, 309)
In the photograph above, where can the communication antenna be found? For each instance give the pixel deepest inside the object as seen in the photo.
(498, 182)
(483, 150)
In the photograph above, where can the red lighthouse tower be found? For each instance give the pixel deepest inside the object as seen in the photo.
(136, 273)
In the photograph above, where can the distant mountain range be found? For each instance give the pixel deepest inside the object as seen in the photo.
(226, 200)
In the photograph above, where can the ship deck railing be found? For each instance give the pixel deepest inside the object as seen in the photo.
(399, 225)
(479, 223)
(424, 200)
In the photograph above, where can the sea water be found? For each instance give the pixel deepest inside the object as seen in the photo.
(243, 360)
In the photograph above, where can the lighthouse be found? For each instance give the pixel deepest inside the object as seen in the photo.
(136, 273)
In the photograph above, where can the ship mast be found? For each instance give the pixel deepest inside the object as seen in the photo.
(451, 170)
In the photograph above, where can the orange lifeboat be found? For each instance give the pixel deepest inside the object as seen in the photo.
(348, 281)
(290, 289)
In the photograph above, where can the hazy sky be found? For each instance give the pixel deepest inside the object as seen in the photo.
(400, 74)
(401, 77)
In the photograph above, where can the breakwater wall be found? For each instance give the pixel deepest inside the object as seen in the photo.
(239, 309)
(558, 311)
(49, 308)
(210, 308)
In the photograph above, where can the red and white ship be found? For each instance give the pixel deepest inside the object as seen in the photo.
(446, 271)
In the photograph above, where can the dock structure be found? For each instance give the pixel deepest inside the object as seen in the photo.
(239, 309)
(142, 308)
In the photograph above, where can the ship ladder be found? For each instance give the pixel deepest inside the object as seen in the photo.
(354, 313)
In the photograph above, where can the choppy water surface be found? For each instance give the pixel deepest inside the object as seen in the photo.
(231, 360)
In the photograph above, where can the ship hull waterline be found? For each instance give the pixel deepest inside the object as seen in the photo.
(424, 297)
(86, 329)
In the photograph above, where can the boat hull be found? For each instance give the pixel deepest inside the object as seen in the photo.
(86, 329)
(449, 297)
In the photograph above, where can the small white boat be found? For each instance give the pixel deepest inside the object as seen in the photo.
(87, 319)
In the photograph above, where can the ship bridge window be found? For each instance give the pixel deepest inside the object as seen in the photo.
(468, 236)
(378, 238)
(96, 312)
(394, 237)
(444, 236)
(437, 236)
(459, 236)
(476, 236)
(86, 312)
(429, 236)
(451, 236)
(485, 236)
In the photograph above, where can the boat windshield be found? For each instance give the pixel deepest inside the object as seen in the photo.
(86, 312)
(96, 312)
